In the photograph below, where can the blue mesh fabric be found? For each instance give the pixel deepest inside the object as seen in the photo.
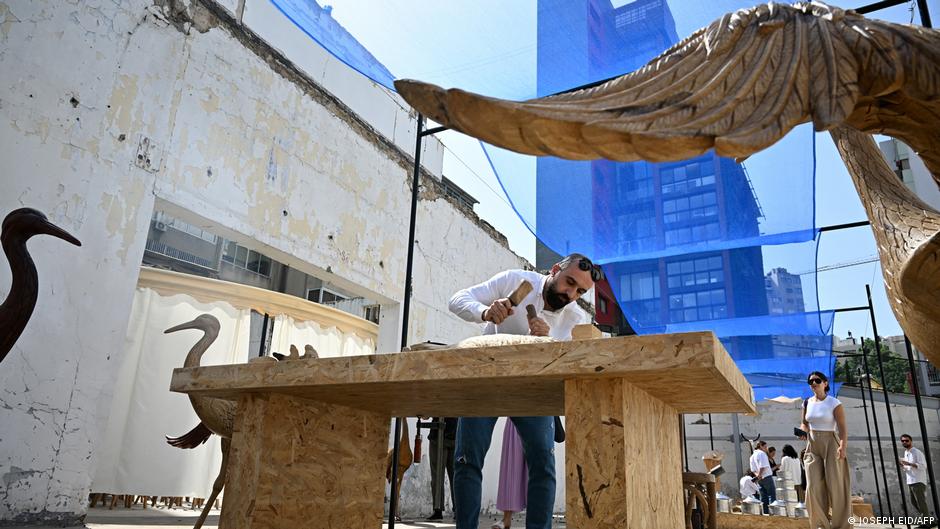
(707, 243)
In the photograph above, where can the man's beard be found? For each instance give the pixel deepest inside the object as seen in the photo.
(555, 300)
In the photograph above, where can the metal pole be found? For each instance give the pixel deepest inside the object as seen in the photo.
(871, 446)
(736, 443)
(406, 306)
(923, 426)
(711, 436)
(884, 387)
(264, 335)
(874, 419)
(685, 444)
(439, 470)
(924, 13)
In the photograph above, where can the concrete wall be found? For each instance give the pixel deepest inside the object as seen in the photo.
(240, 143)
(775, 424)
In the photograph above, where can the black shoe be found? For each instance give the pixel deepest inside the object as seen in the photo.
(438, 515)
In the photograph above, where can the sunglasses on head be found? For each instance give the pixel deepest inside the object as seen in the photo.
(596, 273)
(814, 381)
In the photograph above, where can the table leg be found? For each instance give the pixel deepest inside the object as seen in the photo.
(622, 463)
(300, 463)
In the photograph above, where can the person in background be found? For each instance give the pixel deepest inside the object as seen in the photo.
(915, 472)
(748, 487)
(771, 455)
(513, 477)
(827, 470)
(450, 436)
(553, 297)
(760, 466)
(791, 468)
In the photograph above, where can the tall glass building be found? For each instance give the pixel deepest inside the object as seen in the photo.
(648, 215)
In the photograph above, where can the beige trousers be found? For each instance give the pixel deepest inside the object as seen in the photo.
(827, 483)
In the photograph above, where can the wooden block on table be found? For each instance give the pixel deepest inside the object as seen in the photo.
(586, 331)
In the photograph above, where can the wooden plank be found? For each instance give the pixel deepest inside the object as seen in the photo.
(690, 372)
(651, 441)
(595, 494)
(620, 440)
(292, 464)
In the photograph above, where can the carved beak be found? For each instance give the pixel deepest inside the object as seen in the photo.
(183, 326)
(49, 228)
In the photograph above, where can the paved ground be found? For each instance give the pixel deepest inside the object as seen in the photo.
(163, 518)
(177, 518)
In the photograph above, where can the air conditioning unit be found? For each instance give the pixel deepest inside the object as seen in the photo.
(159, 226)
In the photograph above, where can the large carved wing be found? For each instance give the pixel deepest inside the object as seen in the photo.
(737, 86)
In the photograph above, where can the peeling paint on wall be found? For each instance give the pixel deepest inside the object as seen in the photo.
(247, 143)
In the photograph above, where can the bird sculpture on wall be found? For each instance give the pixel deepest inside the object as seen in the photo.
(739, 85)
(216, 416)
(18, 226)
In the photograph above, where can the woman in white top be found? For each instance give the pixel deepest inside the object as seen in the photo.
(827, 470)
(791, 468)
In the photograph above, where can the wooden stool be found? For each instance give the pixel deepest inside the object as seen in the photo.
(700, 488)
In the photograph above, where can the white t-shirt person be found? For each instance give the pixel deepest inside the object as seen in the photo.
(747, 487)
(820, 414)
(470, 303)
(760, 464)
(919, 474)
(790, 466)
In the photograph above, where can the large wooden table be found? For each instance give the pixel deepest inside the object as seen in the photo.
(311, 437)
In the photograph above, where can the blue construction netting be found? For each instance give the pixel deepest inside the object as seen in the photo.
(702, 244)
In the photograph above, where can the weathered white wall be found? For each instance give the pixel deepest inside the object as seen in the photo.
(242, 144)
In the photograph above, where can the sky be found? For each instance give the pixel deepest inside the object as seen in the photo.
(469, 54)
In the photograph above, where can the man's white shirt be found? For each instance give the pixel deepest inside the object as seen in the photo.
(470, 303)
(919, 474)
(747, 487)
(760, 464)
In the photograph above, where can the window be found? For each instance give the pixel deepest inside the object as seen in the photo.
(691, 207)
(324, 296)
(640, 296)
(371, 313)
(687, 178)
(602, 304)
(695, 289)
(241, 257)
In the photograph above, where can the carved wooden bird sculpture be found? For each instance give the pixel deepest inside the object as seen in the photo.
(738, 86)
(217, 416)
(18, 227)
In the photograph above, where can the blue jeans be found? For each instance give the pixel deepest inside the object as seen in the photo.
(768, 492)
(473, 440)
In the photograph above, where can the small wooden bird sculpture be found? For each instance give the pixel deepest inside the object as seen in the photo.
(18, 227)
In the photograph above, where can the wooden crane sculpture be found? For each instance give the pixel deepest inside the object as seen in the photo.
(739, 85)
(18, 227)
(217, 416)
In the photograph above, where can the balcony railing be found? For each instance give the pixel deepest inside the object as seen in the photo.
(174, 253)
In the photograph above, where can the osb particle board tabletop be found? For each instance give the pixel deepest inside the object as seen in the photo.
(690, 371)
